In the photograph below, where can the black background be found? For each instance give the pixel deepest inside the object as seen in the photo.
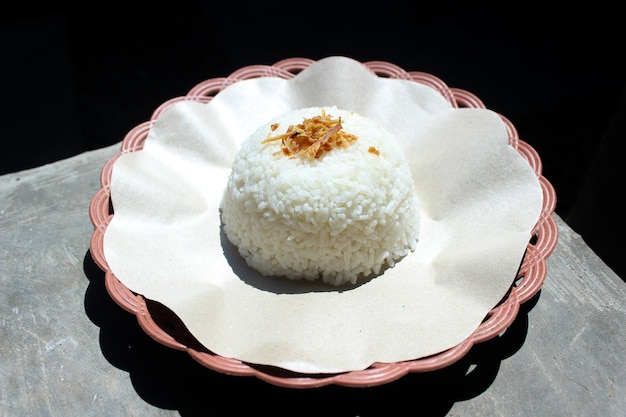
(79, 78)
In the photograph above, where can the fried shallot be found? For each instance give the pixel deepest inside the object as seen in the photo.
(312, 138)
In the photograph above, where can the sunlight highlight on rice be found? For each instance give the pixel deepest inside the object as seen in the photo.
(337, 206)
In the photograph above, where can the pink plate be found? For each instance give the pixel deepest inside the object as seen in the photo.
(162, 325)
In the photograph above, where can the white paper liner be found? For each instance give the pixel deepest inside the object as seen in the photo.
(479, 202)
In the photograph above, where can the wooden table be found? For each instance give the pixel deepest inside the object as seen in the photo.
(66, 349)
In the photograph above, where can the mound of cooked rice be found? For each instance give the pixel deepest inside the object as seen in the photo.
(348, 213)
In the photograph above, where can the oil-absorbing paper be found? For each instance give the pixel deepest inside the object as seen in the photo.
(479, 201)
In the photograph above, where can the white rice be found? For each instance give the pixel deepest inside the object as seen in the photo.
(349, 214)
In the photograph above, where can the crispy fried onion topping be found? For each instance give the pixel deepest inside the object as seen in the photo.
(313, 137)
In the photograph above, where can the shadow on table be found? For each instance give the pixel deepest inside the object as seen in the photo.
(171, 379)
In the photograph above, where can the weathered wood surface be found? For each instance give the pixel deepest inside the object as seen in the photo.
(67, 350)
